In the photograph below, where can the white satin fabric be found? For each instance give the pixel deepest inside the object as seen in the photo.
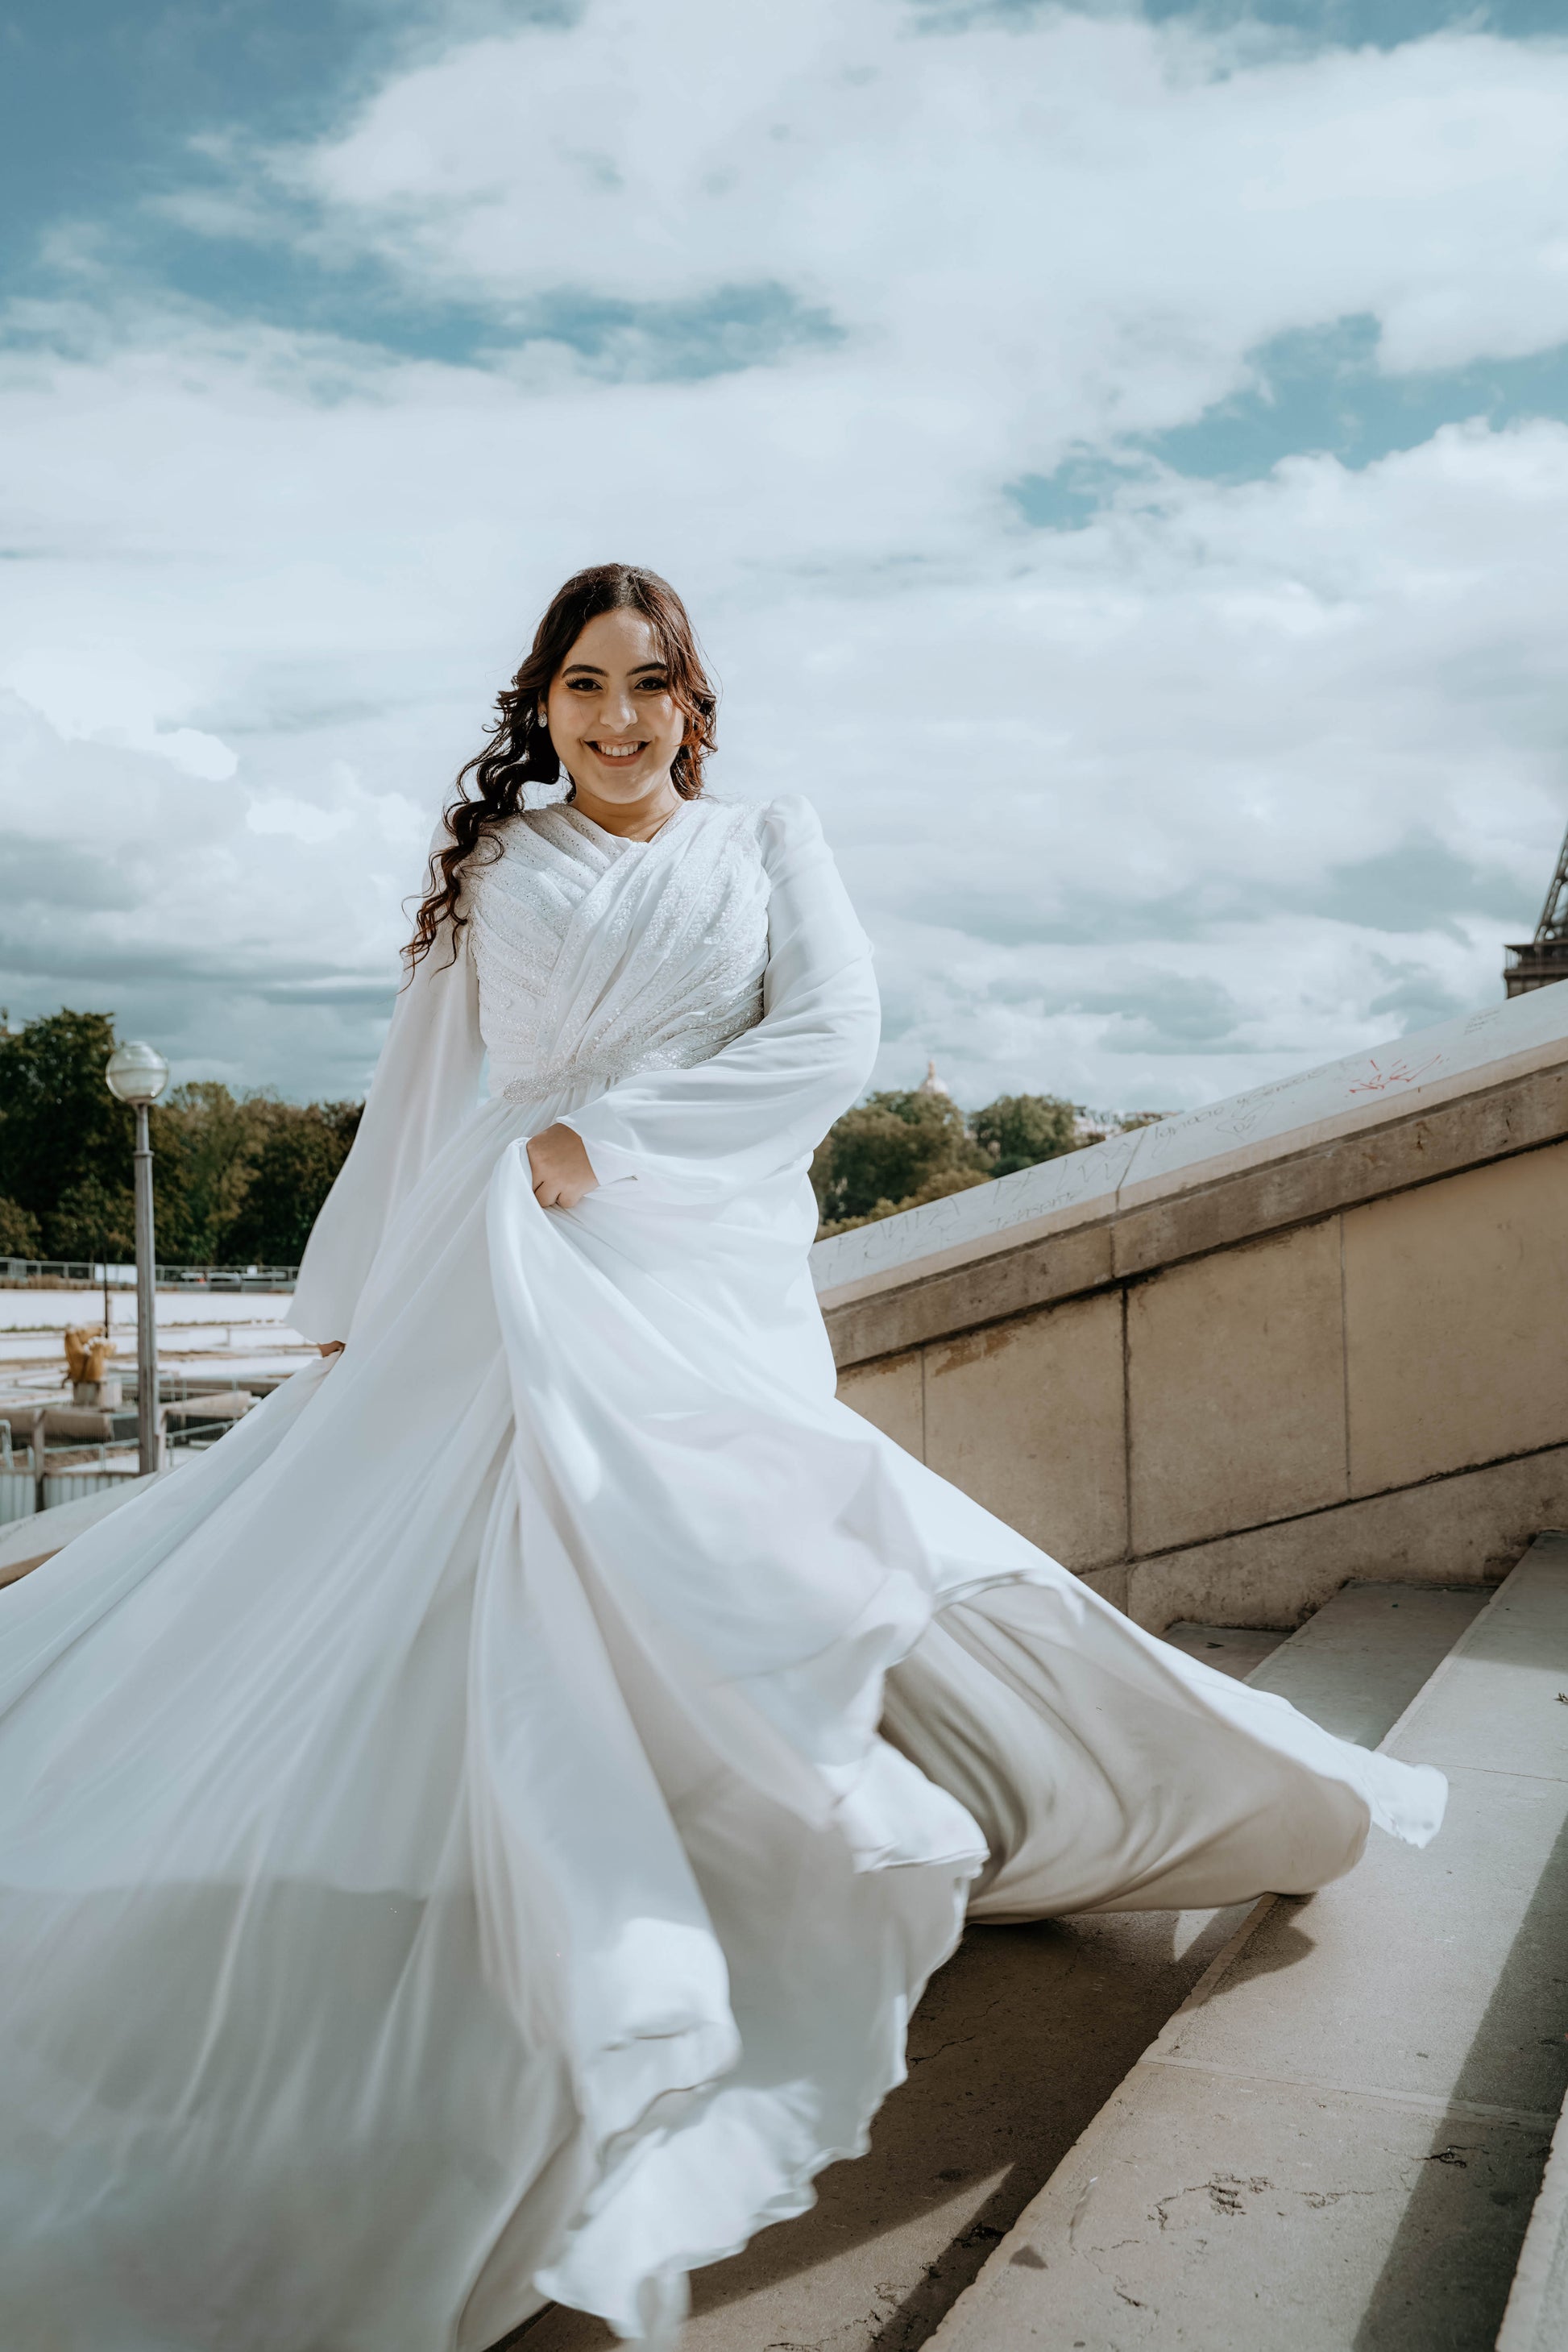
(447, 1857)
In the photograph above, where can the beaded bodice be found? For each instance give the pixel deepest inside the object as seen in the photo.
(597, 957)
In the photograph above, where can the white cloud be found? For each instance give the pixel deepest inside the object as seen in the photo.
(1098, 791)
(1104, 212)
(104, 695)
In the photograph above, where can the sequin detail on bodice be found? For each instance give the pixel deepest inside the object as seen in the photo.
(597, 957)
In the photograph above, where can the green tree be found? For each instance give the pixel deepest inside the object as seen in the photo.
(291, 1176)
(60, 1125)
(208, 1141)
(893, 1152)
(92, 1219)
(897, 1151)
(236, 1178)
(1020, 1130)
(19, 1235)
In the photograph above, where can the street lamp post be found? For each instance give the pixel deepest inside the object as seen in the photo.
(138, 1075)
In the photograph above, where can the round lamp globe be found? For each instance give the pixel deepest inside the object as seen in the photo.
(136, 1073)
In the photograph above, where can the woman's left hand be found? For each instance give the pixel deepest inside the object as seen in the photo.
(563, 1171)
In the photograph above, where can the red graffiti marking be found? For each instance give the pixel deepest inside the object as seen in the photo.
(1398, 1074)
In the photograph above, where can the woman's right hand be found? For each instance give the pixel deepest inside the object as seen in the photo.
(561, 1171)
(330, 1347)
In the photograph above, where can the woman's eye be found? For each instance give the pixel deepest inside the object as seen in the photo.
(652, 686)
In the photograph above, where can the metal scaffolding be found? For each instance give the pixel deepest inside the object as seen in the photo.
(1545, 957)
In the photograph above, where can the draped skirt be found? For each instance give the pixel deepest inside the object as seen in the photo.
(476, 1836)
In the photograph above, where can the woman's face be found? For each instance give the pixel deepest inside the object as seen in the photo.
(612, 718)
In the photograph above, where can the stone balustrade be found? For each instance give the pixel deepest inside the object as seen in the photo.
(1222, 1364)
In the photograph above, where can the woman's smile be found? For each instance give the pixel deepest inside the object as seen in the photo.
(616, 675)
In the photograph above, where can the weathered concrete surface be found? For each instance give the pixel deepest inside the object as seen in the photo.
(1018, 2041)
(1238, 1650)
(1454, 1322)
(1446, 1531)
(1357, 1665)
(1003, 1408)
(1536, 2319)
(1402, 1151)
(1236, 1390)
(1277, 2206)
(1336, 2142)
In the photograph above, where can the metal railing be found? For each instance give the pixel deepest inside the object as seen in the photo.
(170, 1277)
(38, 1478)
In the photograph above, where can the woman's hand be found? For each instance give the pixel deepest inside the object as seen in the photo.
(563, 1171)
(330, 1347)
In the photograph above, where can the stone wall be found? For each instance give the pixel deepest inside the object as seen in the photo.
(1218, 1367)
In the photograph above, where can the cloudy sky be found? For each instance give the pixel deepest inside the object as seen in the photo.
(1117, 459)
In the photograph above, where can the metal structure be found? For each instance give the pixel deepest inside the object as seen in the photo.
(138, 1075)
(1545, 957)
(90, 1274)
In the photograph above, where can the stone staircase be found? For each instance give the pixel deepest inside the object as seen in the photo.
(1338, 2139)
(1318, 2125)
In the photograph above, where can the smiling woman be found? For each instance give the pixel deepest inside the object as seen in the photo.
(618, 726)
(613, 690)
(478, 1835)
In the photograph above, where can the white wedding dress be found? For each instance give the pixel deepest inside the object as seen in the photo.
(448, 1856)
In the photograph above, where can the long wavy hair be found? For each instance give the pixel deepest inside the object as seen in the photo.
(520, 752)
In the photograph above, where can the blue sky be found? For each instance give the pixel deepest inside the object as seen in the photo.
(1118, 461)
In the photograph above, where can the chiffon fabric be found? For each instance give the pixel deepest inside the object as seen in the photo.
(448, 1857)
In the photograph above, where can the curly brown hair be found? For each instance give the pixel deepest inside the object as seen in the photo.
(520, 750)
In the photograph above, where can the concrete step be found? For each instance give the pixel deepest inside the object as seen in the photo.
(1536, 2319)
(1337, 2141)
(1356, 1665)
(1018, 2043)
(1238, 1650)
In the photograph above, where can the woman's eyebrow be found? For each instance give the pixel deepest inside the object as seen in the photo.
(591, 669)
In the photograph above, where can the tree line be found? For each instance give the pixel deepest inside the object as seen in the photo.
(239, 1179)
(898, 1150)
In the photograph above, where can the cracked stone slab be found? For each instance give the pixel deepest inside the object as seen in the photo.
(1233, 2215)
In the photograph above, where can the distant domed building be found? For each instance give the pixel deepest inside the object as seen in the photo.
(932, 1084)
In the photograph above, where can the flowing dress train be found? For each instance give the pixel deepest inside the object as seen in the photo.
(449, 1858)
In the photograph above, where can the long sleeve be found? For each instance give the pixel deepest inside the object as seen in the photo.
(427, 1083)
(759, 1108)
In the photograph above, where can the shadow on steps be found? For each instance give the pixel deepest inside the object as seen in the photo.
(1020, 2039)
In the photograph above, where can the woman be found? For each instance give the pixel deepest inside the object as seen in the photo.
(447, 1857)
